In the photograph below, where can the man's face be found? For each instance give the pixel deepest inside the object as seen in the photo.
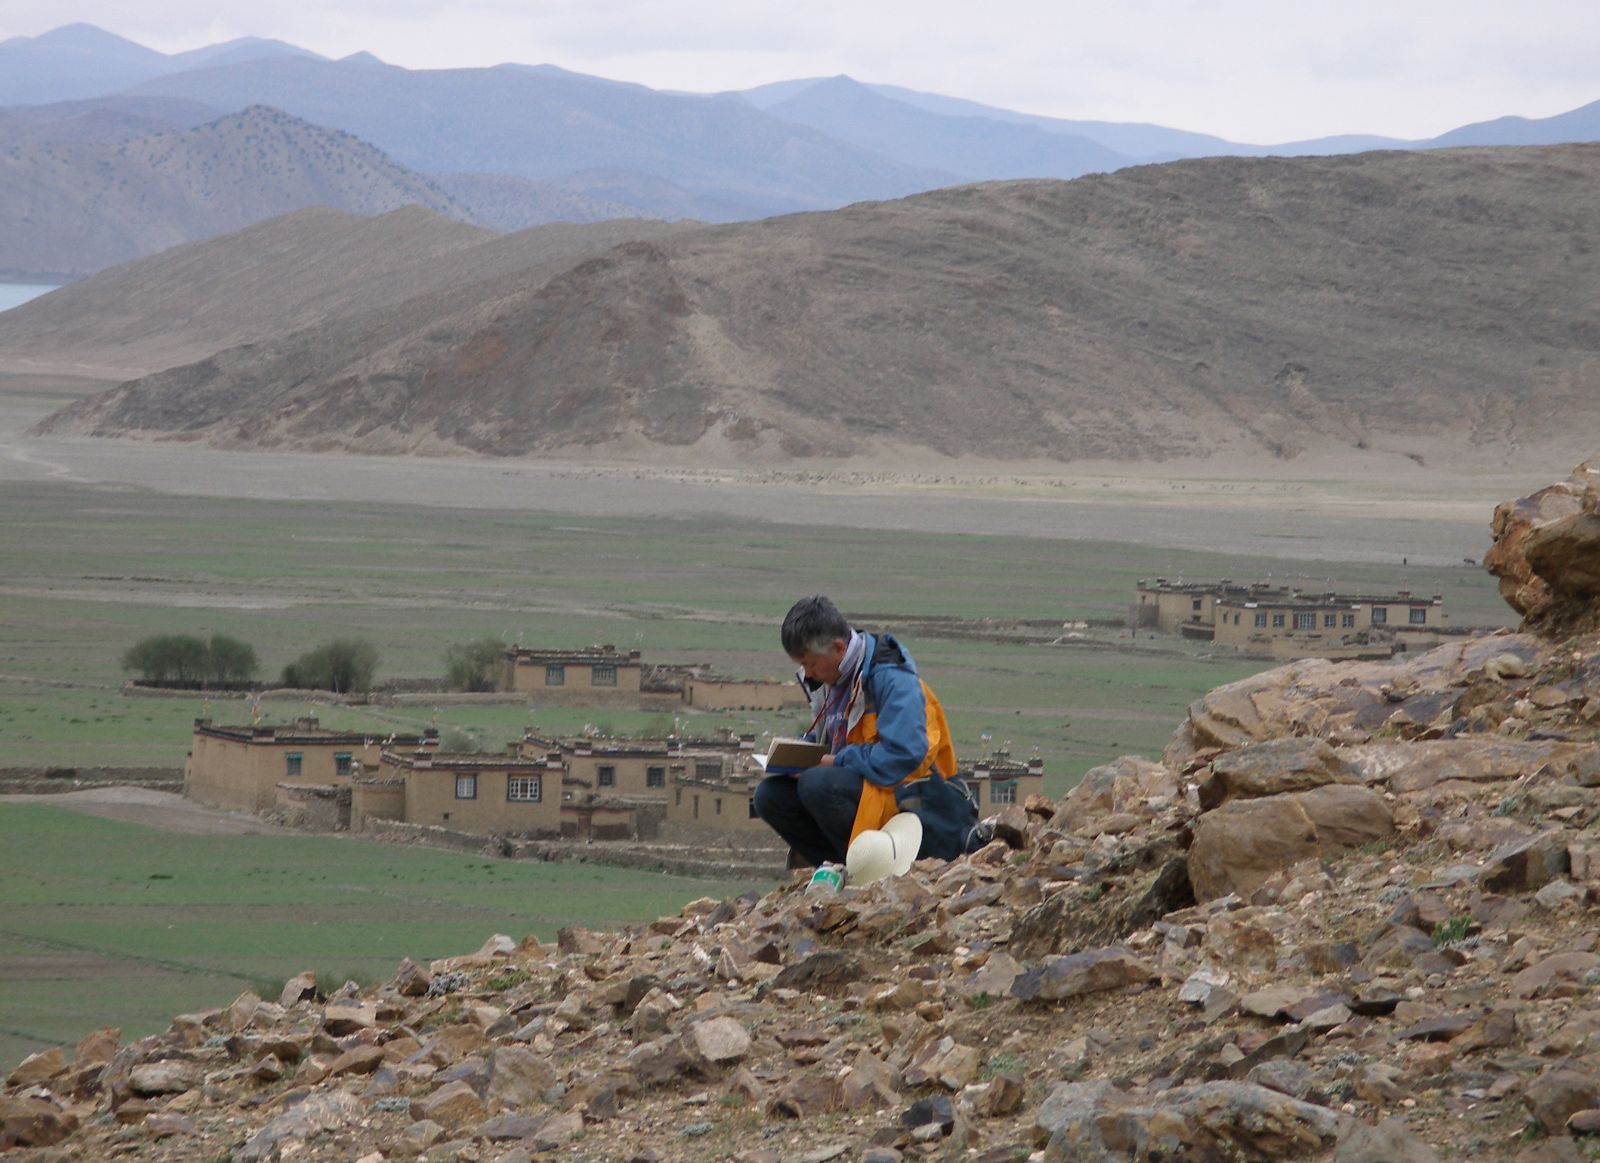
(823, 665)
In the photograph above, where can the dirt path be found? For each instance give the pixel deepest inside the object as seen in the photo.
(157, 809)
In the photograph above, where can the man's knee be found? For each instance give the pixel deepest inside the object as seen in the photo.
(824, 792)
(768, 798)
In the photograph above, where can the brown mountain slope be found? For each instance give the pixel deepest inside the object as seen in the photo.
(69, 208)
(1437, 303)
(280, 275)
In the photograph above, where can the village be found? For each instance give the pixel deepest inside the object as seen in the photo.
(676, 790)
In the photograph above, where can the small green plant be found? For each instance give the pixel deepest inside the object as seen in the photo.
(982, 1001)
(1094, 893)
(1004, 1062)
(508, 979)
(1451, 931)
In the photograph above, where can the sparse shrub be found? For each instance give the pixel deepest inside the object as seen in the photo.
(474, 666)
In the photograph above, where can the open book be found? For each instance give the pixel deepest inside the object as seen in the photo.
(787, 756)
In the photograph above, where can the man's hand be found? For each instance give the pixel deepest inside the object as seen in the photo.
(826, 760)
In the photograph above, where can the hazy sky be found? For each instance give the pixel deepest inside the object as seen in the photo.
(1249, 70)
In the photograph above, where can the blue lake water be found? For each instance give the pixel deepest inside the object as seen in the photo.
(16, 294)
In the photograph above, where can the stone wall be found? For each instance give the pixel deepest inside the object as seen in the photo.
(48, 780)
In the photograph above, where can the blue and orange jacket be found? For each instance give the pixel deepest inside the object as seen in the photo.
(897, 732)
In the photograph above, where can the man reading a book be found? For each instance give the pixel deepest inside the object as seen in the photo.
(888, 745)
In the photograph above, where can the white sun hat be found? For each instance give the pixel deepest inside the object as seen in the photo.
(889, 851)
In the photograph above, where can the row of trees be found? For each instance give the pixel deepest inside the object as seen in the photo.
(185, 660)
(344, 665)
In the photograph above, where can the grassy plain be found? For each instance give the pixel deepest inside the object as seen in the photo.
(108, 922)
(87, 570)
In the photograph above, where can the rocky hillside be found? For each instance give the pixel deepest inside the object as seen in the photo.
(1434, 305)
(1348, 915)
(69, 208)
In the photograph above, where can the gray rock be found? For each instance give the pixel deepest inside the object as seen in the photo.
(1194, 1124)
(322, 1111)
(1526, 865)
(1557, 1095)
(1075, 974)
(1390, 1141)
(518, 1078)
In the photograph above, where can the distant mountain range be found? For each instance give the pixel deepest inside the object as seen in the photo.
(516, 145)
(1423, 304)
(67, 209)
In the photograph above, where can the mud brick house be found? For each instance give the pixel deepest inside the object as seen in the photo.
(515, 793)
(998, 780)
(1284, 622)
(598, 675)
(606, 676)
(639, 767)
(242, 766)
(718, 801)
(714, 693)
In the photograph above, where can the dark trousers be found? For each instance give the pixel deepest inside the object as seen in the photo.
(814, 811)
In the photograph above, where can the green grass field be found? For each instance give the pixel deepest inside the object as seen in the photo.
(105, 923)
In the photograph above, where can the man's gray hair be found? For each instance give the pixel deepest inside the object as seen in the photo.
(813, 624)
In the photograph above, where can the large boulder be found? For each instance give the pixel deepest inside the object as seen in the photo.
(1273, 768)
(1348, 703)
(1212, 1120)
(1127, 784)
(1239, 845)
(1546, 552)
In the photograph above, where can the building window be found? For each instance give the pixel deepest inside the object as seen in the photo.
(708, 768)
(466, 787)
(655, 777)
(1328, 621)
(1277, 621)
(293, 762)
(606, 775)
(524, 789)
(1003, 792)
(677, 798)
(555, 674)
(697, 807)
(1261, 618)
(1305, 621)
(719, 805)
(1380, 615)
(602, 676)
(341, 763)
(1348, 621)
(1419, 616)
(752, 807)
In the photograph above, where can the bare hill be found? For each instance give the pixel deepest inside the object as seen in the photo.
(280, 275)
(67, 209)
(1433, 304)
(286, 274)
